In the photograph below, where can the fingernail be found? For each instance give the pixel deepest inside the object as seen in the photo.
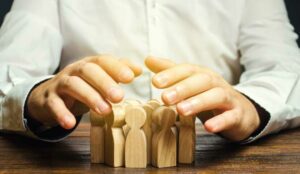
(185, 108)
(213, 126)
(62, 123)
(125, 75)
(161, 80)
(116, 94)
(68, 120)
(170, 96)
(102, 107)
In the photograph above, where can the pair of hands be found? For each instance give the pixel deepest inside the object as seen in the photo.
(92, 83)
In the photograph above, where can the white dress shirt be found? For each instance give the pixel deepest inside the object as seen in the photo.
(249, 42)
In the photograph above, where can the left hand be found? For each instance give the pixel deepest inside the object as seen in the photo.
(194, 89)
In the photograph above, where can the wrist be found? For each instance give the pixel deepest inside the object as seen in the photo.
(32, 105)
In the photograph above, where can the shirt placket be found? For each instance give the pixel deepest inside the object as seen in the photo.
(152, 39)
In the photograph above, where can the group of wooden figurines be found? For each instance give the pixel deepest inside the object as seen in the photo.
(135, 135)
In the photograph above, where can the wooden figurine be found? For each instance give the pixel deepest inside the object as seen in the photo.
(148, 130)
(136, 143)
(164, 140)
(97, 137)
(132, 102)
(128, 104)
(187, 139)
(126, 129)
(114, 137)
(175, 127)
(154, 103)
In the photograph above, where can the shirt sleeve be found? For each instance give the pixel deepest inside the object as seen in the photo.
(30, 49)
(271, 58)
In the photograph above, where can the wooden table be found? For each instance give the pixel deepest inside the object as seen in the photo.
(274, 154)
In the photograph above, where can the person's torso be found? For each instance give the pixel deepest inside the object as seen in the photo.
(202, 32)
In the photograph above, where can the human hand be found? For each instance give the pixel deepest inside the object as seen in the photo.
(194, 89)
(89, 83)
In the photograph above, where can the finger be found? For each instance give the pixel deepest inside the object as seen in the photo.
(137, 70)
(117, 70)
(216, 98)
(222, 122)
(172, 75)
(77, 88)
(187, 88)
(158, 64)
(101, 81)
(61, 113)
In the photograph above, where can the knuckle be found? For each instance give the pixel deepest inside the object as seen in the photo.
(100, 58)
(236, 119)
(240, 111)
(223, 95)
(182, 90)
(209, 71)
(190, 68)
(65, 82)
(200, 78)
(70, 66)
(84, 67)
(212, 77)
(226, 97)
(80, 67)
(104, 57)
(49, 103)
(92, 99)
(237, 114)
(46, 93)
(207, 78)
(199, 104)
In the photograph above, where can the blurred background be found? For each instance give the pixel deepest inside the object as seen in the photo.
(293, 7)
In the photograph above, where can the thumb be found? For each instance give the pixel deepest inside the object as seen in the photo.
(157, 65)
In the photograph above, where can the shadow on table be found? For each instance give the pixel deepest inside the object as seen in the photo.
(42, 154)
(212, 153)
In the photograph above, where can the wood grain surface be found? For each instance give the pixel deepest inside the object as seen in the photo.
(274, 154)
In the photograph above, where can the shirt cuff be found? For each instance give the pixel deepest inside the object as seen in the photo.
(15, 119)
(264, 117)
(271, 124)
(39, 131)
(14, 102)
(48, 134)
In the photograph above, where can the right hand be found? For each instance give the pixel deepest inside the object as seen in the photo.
(89, 83)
